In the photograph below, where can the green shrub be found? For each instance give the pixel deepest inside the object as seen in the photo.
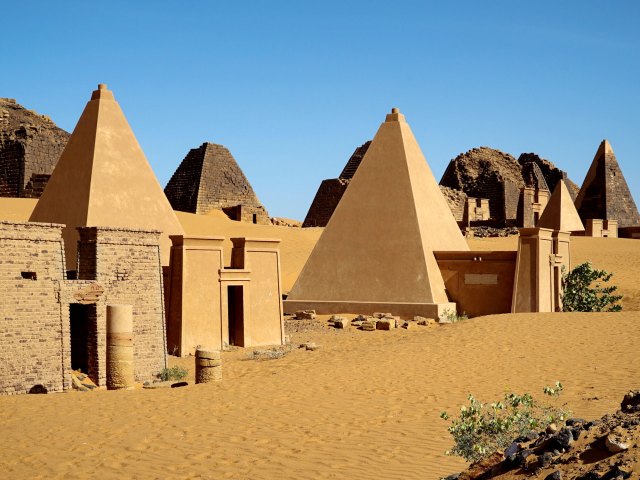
(583, 291)
(452, 316)
(484, 428)
(174, 373)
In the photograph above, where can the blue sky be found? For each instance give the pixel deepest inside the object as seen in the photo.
(292, 88)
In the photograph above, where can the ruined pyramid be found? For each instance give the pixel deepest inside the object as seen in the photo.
(376, 252)
(560, 212)
(104, 179)
(209, 177)
(605, 194)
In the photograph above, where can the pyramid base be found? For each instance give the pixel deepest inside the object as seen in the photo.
(404, 310)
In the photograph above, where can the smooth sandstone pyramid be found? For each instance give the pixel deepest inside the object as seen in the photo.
(560, 212)
(376, 252)
(103, 179)
(604, 193)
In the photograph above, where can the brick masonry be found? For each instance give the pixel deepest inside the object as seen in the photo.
(115, 266)
(210, 178)
(30, 145)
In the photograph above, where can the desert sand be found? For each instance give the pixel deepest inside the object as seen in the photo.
(365, 405)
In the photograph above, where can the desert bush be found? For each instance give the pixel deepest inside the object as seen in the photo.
(583, 290)
(483, 428)
(174, 373)
(452, 316)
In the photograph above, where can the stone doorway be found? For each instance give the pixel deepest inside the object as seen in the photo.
(235, 314)
(83, 330)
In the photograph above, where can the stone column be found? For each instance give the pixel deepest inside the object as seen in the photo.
(208, 366)
(120, 373)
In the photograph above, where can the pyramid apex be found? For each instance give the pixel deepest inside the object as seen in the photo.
(395, 116)
(102, 93)
(607, 146)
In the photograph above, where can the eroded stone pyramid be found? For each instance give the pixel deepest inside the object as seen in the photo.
(103, 179)
(210, 178)
(605, 194)
(377, 249)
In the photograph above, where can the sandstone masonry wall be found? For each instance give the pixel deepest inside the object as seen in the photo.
(31, 332)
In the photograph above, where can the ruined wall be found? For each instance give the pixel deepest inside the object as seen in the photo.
(210, 178)
(551, 173)
(30, 145)
(457, 201)
(488, 173)
(126, 263)
(31, 331)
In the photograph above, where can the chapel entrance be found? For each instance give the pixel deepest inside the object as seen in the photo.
(235, 314)
(83, 329)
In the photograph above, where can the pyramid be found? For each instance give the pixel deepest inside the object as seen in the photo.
(209, 177)
(376, 252)
(560, 212)
(103, 179)
(605, 194)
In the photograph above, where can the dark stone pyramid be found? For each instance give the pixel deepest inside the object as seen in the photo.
(210, 178)
(605, 193)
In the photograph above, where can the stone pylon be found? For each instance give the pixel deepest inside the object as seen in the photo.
(560, 212)
(103, 179)
(376, 252)
(604, 193)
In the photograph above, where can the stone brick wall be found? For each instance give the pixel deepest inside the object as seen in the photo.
(31, 332)
(116, 266)
(126, 263)
(30, 145)
(208, 178)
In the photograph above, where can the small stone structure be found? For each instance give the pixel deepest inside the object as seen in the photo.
(52, 324)
(601, 228)
(211, 305)
(210, 178)
(605, 194)
(30, 145)
(208, 366)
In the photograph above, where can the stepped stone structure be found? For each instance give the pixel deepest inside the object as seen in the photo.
(605, 194)
(551, 174)
(560, 212)
(103, 178)
(210, 178)
(30, 145)
(376, 253)
(331, 190)
(51, 325)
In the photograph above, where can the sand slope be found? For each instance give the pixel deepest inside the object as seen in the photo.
(366, 405)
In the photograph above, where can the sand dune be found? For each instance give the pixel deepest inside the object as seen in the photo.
(366, 405)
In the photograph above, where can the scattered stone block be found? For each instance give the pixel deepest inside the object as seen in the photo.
(409, 325)
(360, 318)
(382, 315)
(306, 315)
(615, 444)
(386, 324)
(310, 346)
(423, 321)
(369, 325)
(340, 322)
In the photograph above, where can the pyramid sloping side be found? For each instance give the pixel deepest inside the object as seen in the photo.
(117, 185)
(560, 212)
(184, 185)
(605, 193)
(378, 245)
(222, 183)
